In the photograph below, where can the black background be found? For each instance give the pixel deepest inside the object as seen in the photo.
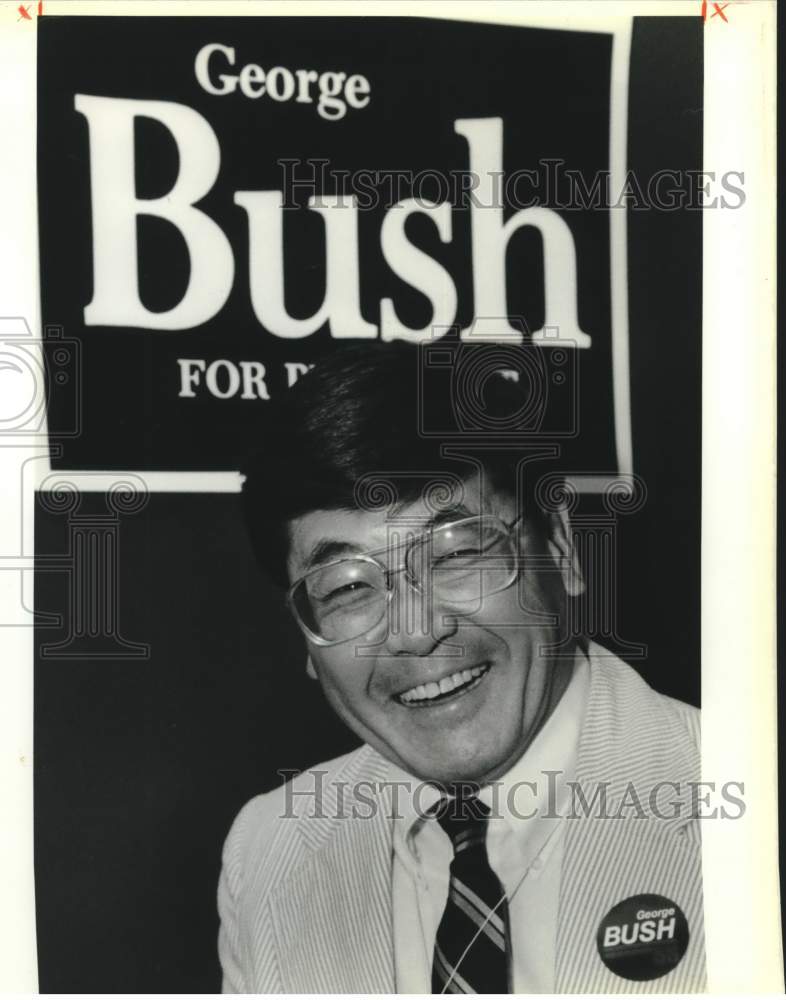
(141, 766)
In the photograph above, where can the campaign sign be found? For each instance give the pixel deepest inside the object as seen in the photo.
(222, 201)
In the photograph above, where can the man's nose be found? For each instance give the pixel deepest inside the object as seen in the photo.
(416, 623)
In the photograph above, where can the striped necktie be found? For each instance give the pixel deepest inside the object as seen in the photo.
(472, 945)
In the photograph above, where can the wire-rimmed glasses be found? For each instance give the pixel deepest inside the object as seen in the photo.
(456, 565)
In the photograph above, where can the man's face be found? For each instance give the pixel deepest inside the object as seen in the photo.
(480, 728)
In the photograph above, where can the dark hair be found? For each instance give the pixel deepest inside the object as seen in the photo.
(375, 408)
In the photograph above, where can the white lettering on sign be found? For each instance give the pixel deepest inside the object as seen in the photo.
(490, 238)
(224, 379)
(189, 375)
(116, 208)
(294, 370)
(335, 91)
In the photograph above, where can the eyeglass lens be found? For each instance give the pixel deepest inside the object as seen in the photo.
(455, 564)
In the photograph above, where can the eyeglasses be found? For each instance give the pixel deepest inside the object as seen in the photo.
(455, 564)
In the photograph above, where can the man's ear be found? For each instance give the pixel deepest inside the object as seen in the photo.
(560, 546)
(310, 668)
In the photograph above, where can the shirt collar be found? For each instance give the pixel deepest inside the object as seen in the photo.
(540, 774)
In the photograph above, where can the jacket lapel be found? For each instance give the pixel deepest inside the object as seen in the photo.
(632, 741)
(333, 915)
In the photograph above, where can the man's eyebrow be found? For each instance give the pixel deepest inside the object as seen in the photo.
(440, 517)
(449, 514)
(328, 549)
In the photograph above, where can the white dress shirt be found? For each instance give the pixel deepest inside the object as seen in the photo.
(524, 842)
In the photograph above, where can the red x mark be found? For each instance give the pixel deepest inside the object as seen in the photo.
(719, 9)
(24, 10)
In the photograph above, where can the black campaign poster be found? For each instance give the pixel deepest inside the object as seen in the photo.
(207, 233)
(221, 202)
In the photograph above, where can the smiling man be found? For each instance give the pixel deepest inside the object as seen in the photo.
(408, 696)
(522, 802)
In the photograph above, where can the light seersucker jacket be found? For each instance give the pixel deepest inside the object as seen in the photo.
(305, 901)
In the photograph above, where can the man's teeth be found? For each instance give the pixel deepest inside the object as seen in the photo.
(424, 692)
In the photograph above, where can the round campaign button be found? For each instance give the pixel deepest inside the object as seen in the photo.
(643, 937)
